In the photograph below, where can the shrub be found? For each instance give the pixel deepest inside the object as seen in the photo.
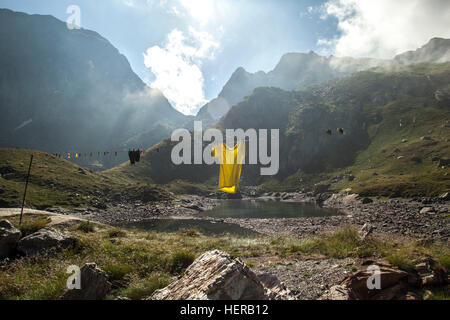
(31, 226)
(180, 260)
(142, 288)
(86, 227)
(116, 233)
(117, 271)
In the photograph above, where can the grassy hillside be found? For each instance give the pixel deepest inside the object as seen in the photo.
(407, 131)
(399, 160)
(55, 181)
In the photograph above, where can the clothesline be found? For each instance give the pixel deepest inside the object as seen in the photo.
(85, 155)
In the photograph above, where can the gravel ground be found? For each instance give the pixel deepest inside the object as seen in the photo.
(309, 278)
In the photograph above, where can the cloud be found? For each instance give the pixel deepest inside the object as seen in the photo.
(200, 10)
(176, 67)
(385, 28)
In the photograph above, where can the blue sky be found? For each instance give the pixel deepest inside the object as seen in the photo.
(190, 48)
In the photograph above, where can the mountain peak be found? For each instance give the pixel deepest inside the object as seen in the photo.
(436, 50)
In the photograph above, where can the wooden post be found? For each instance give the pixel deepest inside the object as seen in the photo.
(25, 192)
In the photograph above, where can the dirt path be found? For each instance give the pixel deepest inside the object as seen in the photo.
(56, 218)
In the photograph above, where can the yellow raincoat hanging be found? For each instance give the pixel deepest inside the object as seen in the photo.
(231, 161)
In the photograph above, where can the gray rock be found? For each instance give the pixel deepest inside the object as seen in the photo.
(276, 290)
(393, 284)
(45, 239)
(320, 188)
(443, 162)
(365, 230)
(427, 210)
(94, 285)
(9, 237)
(338, 292)
(217, 276)
(445, 196)
(8, 176)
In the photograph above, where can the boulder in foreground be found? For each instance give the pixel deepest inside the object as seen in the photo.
(45, 239)
(94, 285)
(9, 237)
(217, 276)
(393, 283)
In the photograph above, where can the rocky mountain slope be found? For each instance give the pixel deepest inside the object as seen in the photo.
(67, 90)
(299, 70)
(436, 50)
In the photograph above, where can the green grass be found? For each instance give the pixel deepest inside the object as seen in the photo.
(440, 295)
(30, 223)
(141, 288)
(86, 227)
(140, 262)
(181, 187)
(180, 260)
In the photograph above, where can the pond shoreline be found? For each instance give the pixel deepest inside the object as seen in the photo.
(392, 217)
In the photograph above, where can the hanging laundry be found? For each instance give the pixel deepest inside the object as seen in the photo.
(303, 136)
(68, 156)
(328, 132)
(231, 166)
(340, 131)
(138, 155)
(131, 156)
(115, 154)
(143, 152)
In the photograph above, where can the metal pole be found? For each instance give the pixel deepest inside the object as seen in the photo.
(25, 192)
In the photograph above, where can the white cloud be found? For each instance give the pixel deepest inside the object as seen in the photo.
(176, 67)
(384, 28)
(201, 10)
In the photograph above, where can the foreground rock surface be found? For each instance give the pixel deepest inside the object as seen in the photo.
(394, 284)
(9, 237)
(94, 285)
(217, 276)
(45, 239)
